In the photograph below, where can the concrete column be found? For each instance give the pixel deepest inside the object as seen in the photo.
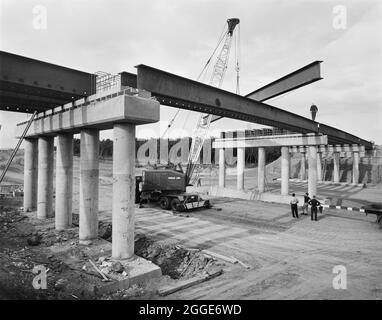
(355, 167)
(221, 168)
(163, 151)
(123, 191)
(89, 179)
(285, 159)
(336, 167)
(303, 166)
(319, 166)
(45, 177)
(30, 174)
(261, 170)
(312, 171)
(64, 181)
(240, 168)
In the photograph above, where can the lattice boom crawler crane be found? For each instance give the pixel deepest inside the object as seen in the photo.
(168, 186)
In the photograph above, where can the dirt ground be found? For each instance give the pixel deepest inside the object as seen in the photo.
(27, 242)
(289, 258)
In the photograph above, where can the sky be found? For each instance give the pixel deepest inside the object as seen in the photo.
(276, 37)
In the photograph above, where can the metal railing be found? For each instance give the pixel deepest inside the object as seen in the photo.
(261, 132)
(107, 81)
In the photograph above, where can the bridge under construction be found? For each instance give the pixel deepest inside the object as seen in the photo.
(65, 102)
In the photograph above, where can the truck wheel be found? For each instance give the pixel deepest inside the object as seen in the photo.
(164, 203)
(174, 204)
(207, 204)
(379, 220)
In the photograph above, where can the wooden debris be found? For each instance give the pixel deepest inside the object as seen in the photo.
(166, 290)
(220, 256)
(242, 263)
(188, 264)
(99, 271)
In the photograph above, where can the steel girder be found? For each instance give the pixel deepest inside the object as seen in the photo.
(180, 92)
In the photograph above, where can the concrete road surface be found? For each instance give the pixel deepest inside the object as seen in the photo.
(290, 258)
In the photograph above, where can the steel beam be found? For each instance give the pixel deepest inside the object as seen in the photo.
(180, 92)
(296, 79)
(27, 83)
(184, 93)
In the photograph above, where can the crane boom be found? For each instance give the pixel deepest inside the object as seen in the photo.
(217, 77)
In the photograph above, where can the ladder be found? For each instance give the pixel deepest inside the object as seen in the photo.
(17, 146)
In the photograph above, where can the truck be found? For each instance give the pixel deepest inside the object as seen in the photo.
(168, 188)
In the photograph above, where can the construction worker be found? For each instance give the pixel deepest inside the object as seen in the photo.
(313, 111)
(314, 204)
(293, 205)
(306, 202)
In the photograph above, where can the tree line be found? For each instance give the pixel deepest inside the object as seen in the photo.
(251, 154)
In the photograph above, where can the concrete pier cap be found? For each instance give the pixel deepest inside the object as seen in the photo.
(94, 114)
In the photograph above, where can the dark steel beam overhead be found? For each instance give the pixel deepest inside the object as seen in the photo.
(27, 84)
(180, 92)
(294, 80)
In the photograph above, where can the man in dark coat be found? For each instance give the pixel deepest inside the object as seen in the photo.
(313, 111)
(314, 203)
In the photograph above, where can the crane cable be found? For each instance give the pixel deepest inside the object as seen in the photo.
(205, 68)
(220, 39)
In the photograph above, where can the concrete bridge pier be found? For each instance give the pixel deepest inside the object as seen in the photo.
(312, 168)
(222, 168)
(89, 181)
(336, 167)
(261, 170)
(123, 191)
(30, 174)
(303, 163)
(319, 166)
(45, 177)
(355, 175)
(64, 181)
(285, 159)
(240, 167)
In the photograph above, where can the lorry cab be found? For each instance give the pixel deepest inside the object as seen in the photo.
(168, 187)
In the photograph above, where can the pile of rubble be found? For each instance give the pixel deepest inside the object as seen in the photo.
(175, 261)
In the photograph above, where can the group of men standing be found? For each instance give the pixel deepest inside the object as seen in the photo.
(313, 202)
